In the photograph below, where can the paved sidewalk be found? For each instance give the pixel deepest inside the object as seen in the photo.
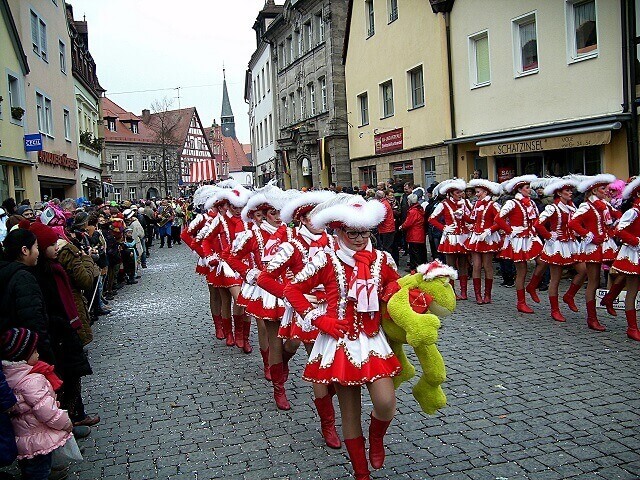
(529, 398)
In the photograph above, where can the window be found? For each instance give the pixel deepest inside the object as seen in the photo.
(111, 124)
(13, 89)
(38, 36)
(371, 25)
(582, 31)
(18, 184)
(258, 87)
(285, 110)
(319, 26)
(63, 57)
(292, 101)
(525, 42)
(363, 103)
(392, 8)
(270, 130)
(44, 111)
(303, 104)
(132, 193)
(134, 127)
(479, 68)
(290, 55)
(300, 43)
(311, 88)
(129, 163)
(115, 163)
(145, 163)
(67, 125)
(264, 90)
(282, 57)
(368, 175)
(268, 72)
(308, 36)
(154, 162)
(117, 194)
(386, 93)
(323, 93)
(416, 87)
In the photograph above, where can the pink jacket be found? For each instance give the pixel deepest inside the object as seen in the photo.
(38, 423)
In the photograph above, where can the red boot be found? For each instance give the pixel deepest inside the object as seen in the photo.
(477, 290)
(328, 421)
(279, 394)
(238, 326)
(355, 448)
(463, 287)
(569, 297)
(265, 363)
(377, 430)
(488, 285)
(217, 322)
(533, 285)
(632, 325)
(228, 332)
(522, 302)
(592, 317)
(286, 356)
(555, 310)
(611, 295)
(246, 330)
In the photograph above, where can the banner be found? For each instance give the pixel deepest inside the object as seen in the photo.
(542, 144)
(321, 153)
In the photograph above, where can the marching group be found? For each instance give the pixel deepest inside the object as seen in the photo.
(62, 263)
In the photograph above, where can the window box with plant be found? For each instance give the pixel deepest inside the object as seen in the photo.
(17, 113)
(88, 140)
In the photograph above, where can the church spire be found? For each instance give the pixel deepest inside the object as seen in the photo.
(227, 121)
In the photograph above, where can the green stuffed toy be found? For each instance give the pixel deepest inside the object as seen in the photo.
(412, 317)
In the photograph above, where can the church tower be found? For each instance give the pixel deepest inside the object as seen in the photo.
(227, 122)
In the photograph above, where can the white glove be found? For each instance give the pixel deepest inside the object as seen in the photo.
(554, 236)
(588, 238)
(252, 276)
(517, 230)
(449, 229)
(484, 235)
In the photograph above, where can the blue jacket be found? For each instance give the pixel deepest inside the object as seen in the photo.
(8, 450)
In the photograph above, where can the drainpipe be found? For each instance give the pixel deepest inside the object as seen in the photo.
(452, 111)
(628, 84)
(631, 34)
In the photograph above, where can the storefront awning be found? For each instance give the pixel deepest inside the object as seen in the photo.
(46, 180)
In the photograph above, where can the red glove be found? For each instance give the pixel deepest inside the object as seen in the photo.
(331, 326)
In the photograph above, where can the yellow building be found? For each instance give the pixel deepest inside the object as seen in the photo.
(15, 168)
(538, 87)
(397, 87)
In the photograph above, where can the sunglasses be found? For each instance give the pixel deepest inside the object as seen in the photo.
(352, 235)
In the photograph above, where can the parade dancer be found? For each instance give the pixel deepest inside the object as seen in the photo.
(593, 221)
(291, 258)
(485, 240)
(448, 217)
(351, 350)
(516, 218)
(627, 263)
(561, 248)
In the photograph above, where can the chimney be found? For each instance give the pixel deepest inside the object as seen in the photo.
(146, 115)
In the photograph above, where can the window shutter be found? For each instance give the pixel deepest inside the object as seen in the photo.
(43, 39)
(482, 60)
(34, 30)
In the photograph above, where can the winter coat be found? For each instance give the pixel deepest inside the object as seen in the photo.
(82, 271)
(71, 361)
(98, 242)
(138, 234)
(388, 225)
(8, 450)
(113, 250)
(23, 305)
(413, 226)
(38, 423)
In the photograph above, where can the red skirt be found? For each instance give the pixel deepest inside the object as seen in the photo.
(453, 244)
(627, 261)
(491, 244)
(560, 252)
(292, 326)
(222, 276)
(606, 252)
(521, 249)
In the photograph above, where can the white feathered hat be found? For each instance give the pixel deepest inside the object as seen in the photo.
(304, 203)
(491, 187)
(596, 181)
(437, 269)
(560, 184)
(203, 193)
(516, 182)
(542, 182)
(631, 189)
(346, 210)
(237, 196)
(451, 184)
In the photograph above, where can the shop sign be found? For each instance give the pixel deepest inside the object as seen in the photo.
(402, 167)
(55, 159)
(506, 173)
(33, 142)
(542, 144)
(388, 141)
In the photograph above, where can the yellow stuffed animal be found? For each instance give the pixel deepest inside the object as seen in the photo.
(412, 316)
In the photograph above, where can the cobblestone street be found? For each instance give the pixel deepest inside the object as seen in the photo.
(529, 398)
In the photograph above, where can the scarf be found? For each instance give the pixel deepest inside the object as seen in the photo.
(66, 295)
(48, 372)
(272, 245)
(267, 227)
(362, 287)
(316, 241)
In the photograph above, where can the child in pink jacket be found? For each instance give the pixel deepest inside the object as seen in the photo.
(39, 425)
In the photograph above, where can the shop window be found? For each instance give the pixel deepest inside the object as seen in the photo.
(402, 171)
(368, 175)
(479, 64)
(429, 169)
(582, 29)
(18, 184)
(525, 42)
(4, 182)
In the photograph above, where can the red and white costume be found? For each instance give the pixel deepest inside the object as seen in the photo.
(628, 231)
(354, 283)
(593, 221)
(449, 217)
(517, 218)
(561, 246)
(482, 217)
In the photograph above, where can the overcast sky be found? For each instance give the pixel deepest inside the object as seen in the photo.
(163, 44)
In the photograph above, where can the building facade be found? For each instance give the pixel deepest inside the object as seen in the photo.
(263, 120)
(16, 168)
(309, 90)
(397, 87)
(539, 87)
(49, 97)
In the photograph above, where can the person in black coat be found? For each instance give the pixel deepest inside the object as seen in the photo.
(8, 449)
